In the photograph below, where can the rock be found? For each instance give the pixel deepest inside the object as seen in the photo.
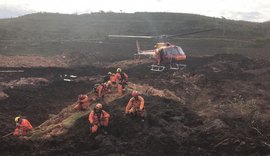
(214, 125)
(3, 95)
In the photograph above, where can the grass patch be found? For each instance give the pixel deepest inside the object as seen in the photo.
(70, 121)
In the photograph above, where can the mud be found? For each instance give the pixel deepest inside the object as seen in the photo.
(222, 109)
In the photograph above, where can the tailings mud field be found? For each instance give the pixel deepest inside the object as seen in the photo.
(218, 105)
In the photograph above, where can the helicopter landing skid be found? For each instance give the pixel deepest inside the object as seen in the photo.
(178, 66)
(157, 68)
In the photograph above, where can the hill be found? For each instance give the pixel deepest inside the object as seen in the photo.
(50, 34)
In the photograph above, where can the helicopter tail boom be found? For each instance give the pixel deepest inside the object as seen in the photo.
(143, 52)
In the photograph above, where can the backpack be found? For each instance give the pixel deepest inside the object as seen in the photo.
(95, 88)
(123, 77)
(106, 78)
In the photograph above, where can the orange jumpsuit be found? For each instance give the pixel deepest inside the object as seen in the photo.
(23, 128)
(122, 79)
(135, 105)
(159, 55)
(95, 120)
(112, 81)
(99, 92)
(83, 103)
(113, 78)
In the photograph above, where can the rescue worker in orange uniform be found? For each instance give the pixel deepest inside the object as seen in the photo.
(110, 79)
(98, 118)
(99, 91)
(160, 53)
(122, 79)
(23, 127)
(135, 106)
(159, 57)
(83, 102)
(108, 87)
(113, 78)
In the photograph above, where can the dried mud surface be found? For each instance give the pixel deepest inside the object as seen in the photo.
(222, 109)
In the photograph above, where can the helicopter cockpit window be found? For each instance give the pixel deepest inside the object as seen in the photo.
(172, 51)
(180, 51)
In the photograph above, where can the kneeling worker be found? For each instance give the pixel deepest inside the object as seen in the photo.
(135, 106)
(99, 118)
(122, 79)
(23, 127)
(83, 102)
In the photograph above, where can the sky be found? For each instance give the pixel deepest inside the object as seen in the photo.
(247, 10)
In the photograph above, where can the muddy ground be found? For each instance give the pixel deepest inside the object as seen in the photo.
(224, 110)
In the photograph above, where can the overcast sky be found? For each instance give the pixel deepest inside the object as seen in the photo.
(249, 10)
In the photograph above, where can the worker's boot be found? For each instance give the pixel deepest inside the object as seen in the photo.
(104, 130)
(141, 115)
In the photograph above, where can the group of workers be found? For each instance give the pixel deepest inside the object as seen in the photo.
(98, 117)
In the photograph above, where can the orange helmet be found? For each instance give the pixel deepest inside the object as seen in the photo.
(81, 96)
(134, 93)
(98, 106)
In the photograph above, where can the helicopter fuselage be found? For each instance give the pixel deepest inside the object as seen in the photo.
(170, 53)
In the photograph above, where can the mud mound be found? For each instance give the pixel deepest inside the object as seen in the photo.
(156, 136)
(3, 96)
(35, 81)
(32, 61)
(61, 61)
(44, 95)
(60, 124)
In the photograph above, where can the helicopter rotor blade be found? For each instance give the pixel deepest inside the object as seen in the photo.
(162, 37)
(194, 32)
(129, 36)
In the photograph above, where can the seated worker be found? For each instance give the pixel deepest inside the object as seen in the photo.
(83, 102)
(122, 79)
(135, 106)
(99, 91)
(98, 118)
(108, 87)
(111, 80)
(23, 127)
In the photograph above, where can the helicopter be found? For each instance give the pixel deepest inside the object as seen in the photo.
(164, 52)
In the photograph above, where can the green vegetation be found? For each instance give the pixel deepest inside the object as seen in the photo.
(70, 121)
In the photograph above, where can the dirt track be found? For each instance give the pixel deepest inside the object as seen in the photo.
(224, 111)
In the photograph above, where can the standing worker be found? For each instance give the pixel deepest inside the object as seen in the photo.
(23, 127)
(135, 106)
(122, 79)
(99, 118)
(83, 102)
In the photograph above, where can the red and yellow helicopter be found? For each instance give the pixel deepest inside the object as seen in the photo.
(164, 52)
